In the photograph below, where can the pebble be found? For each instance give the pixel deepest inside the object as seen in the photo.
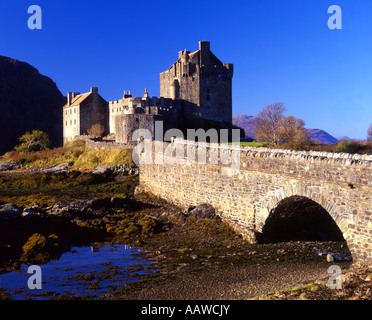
(330, 257)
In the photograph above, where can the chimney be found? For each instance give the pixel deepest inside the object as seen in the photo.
(127, 94)
(69, 98)
(94, 90)
(205, 52)
(74, 95)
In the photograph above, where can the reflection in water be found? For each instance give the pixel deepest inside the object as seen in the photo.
(81, 272)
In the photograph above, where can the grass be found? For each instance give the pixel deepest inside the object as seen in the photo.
(347, 146)
(251, 144)
(75, 152)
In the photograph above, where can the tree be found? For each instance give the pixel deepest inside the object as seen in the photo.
(269, 123)
(96, 130)
(369, 133)
(293, 131)
(33, 141)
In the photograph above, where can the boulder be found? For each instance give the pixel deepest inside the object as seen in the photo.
(59, 168)
(7, 166)
(204, 211)
(112, 170)
(10, 210)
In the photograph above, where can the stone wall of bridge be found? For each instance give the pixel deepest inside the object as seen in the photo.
(244, 195)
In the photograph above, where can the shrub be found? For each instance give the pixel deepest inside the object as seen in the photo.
(96, 130)
(348, 146)
(33, 141)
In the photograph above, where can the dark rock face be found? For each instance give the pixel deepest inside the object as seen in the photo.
(28, 101)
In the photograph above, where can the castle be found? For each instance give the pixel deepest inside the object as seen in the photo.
(195, 92)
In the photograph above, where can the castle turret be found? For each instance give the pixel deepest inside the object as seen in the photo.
(174, 89)
(205, 52)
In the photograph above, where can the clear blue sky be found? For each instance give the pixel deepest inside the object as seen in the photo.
(282, 50)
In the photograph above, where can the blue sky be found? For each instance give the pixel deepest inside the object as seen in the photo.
(282, 50)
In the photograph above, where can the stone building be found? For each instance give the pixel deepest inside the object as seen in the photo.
(195, 92)
(81, 112)
(131, 113)
(201, 83)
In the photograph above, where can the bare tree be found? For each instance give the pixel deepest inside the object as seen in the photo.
(96, 130)
(269, 123)
(293, 131)
(369, 133)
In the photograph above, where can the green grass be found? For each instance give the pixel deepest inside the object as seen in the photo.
(251, 144)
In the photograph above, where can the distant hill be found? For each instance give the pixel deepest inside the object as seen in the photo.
(28, 101)
(247, 123)
(348, 138)
(321, 137)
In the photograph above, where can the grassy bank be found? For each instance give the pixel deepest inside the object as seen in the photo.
(75, 152)
(347, 146)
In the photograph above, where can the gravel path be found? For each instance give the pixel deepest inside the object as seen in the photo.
(242, 282)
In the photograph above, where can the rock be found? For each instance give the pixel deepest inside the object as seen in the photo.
(10, 210)
(180, 215)
(112, 170)
(105, 170)
(59, 168)
(330, 257)
(7, 166)
(204, 211)
(117, 202)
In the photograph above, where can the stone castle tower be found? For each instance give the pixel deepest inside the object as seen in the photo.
(202, 83)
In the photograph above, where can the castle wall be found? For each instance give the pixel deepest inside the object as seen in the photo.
(216, 93)
(93, 110)
(125, 125)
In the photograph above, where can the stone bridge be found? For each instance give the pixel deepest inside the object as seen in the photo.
(245, 194)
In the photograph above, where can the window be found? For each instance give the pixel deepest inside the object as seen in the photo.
(74, 110)
(66, 123)
(75, 121)
(70, 122)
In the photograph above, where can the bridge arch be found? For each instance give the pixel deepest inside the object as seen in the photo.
(314, 193)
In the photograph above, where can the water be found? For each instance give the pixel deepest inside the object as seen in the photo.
(81, 272)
